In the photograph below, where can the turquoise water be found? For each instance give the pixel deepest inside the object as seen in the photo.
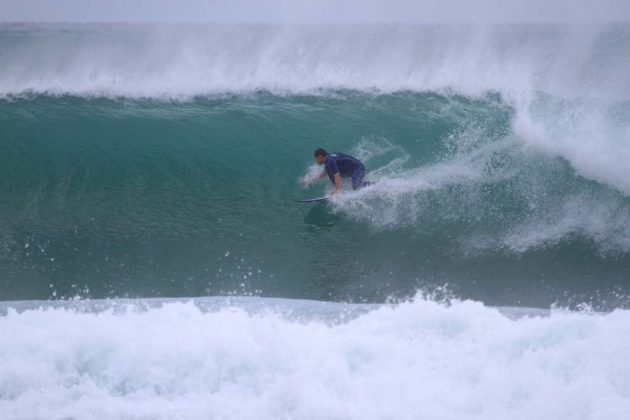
(111, 198)
(151, 178)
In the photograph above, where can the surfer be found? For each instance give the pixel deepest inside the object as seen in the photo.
(338, 165)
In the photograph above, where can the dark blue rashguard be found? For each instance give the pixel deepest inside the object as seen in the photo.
(347, 166)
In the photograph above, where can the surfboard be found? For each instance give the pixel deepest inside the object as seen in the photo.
(314, 200)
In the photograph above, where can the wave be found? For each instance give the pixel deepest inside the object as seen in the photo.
(416, 359)
(582, 67)
(114, 198)
(137, 157)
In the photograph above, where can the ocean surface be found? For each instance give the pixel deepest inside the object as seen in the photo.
(147, 182)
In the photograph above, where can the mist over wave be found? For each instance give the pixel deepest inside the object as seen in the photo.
(175, 61)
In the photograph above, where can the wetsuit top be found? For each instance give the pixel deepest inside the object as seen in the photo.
(346, 165)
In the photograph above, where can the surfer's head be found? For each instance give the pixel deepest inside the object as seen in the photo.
(320, 156)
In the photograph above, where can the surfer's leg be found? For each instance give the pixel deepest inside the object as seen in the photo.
(357, 179)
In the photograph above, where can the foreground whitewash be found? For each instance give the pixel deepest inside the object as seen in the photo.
(414, 360)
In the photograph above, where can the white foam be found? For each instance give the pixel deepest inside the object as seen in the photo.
(415, 360)
(608, 224)
(586, 133)
(178, 61)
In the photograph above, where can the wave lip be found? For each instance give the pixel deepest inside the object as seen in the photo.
(179, 61)
(416, 359)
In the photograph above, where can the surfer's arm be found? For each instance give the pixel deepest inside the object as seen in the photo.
(337, 183)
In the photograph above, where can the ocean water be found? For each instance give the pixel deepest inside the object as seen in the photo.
(161, 162)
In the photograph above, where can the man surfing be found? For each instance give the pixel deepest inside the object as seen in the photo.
(338, 165)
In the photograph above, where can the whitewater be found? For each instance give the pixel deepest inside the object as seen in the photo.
(253, 358)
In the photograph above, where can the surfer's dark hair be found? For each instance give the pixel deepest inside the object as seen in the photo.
(320, 152)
